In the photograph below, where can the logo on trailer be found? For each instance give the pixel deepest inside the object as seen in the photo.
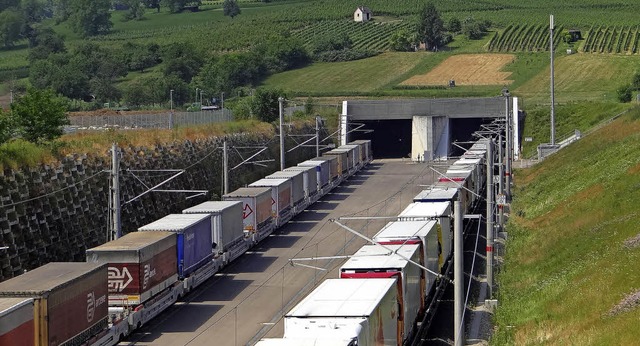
(273, 201)
(246, 211)
(148, 274)
(119, 280)
(92, 304)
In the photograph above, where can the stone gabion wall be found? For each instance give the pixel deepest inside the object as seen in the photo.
(53, 213)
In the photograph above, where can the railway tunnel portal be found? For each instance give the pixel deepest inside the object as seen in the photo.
(423, 129)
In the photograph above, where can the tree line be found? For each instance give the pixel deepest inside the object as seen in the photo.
(22, 19)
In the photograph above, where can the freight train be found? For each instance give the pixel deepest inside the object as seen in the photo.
(386, 292)
(128, 281)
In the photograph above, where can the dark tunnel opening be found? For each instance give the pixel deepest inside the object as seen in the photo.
(392, 138)
(389, 138)
(462, 130)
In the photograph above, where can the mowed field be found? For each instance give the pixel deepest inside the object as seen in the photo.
(467, 69)
(364, 75)
(582, 77)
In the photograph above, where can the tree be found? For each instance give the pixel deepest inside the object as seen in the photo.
(635, 81)
(33, 12)
(5, 4)
(454, 25)
(265, 104)
(430, 27)
(61, 10)
(44, 42)
(11, 22)
(176, 5)
(282, 53)
(136, 9)
(152, 4)
(401, 41)
(624, 94)
(231, 8)
(90, 18)
(7, 126)
(473, 29)
(39, 115)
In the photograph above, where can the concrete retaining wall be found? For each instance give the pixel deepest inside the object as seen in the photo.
(55, 212)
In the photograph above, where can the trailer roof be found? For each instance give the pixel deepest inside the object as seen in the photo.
(343, 298)
(133, 241)
(436, 195)
(7, 305)
(270, 182)
(211, 207)
(459, 171)
(175, 222)
(377, 257)
(423, 209)
(48, 278)
(252, 191)
(323, 158)
(285, 174)
(301, 168)
(469, 161)
(405, 229)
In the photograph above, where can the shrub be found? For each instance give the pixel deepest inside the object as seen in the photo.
(344, 55)
(624, 93)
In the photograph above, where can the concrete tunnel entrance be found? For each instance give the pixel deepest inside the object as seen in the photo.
(393, 138)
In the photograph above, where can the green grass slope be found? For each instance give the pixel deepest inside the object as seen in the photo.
(572, 254)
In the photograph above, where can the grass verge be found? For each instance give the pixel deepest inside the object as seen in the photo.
(568, 260)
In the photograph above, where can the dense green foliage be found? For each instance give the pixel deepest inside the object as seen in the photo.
(431, 27)
(231, 8)
(39, 116)
(89, 18)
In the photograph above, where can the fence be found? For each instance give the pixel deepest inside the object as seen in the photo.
(147, 121)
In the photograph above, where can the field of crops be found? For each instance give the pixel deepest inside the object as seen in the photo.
(371, 35)
(524, 38)
(612, 39)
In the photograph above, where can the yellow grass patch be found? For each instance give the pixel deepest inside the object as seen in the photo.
(467, 69)
(634, 170)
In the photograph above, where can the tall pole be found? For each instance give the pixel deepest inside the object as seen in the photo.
(500, 166)
(115, 194)
(458, 276)
(171, 108)
(509, 148)
(225, 164)
(222, 102)
(281, 112)
(317, 136)
(489, 269)
(553, 111)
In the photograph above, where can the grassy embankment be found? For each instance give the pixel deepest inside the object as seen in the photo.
(573, 251)
(20, 153)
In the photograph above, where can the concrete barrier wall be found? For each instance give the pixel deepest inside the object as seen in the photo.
(55, 212)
